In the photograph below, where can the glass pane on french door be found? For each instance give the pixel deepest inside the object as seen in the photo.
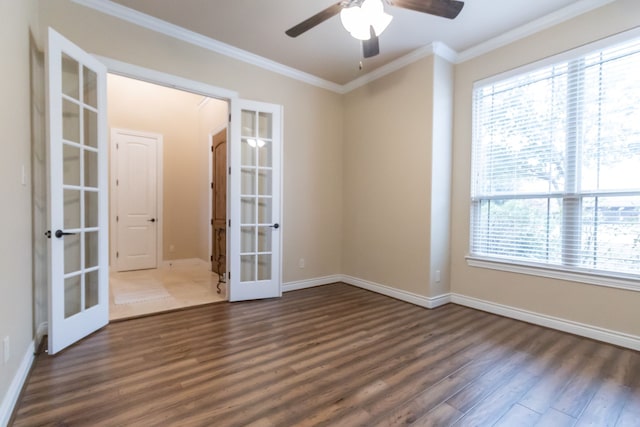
(256, 198)
(80, 178)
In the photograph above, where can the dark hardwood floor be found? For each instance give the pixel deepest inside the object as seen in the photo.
(332, 355)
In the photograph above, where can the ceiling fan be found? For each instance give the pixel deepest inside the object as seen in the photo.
(366, 19)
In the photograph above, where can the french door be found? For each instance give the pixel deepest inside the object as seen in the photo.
(255, 237)
(77, 196)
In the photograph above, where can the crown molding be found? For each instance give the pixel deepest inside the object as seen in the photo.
(389, 68)
(436, 48)
(443, 51)
(143, 20)
(532, 27)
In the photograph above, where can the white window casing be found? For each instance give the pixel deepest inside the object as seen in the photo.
(555, 182)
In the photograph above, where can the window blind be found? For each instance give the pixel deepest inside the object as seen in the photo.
(556, 164)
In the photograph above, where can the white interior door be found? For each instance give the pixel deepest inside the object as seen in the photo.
(78, 250)
(255, 232)
(135, 160)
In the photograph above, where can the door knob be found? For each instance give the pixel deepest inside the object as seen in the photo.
(276, 225)
(60, 233)
(151, 220)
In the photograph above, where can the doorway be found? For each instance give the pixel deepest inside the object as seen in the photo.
(77, 123)
(184, 124)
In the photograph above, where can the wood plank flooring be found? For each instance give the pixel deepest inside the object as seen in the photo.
(332, 356)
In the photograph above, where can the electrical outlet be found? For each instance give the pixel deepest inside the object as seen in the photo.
(5, 350)
(301, 263)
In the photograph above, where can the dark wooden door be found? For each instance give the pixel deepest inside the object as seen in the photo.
(219, 209)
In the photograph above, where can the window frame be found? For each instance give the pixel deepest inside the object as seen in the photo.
(625, 281)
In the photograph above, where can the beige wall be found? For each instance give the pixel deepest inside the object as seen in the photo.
(387, 179)
(397, 179)
(312, 169)
(174, 114)
(594, 305)
(16, 287)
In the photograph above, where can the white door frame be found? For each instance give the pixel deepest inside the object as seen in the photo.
(113, 188)
(163, 79)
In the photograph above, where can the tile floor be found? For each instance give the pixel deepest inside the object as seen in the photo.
(183, 284)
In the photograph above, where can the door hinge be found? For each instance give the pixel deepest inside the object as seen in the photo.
(117, 146)
(212, 148)
(229, 170)
(212, 185)
(117, 218)
(229, 223)
(117, 182)
(211, 258)
(117, 254)
(229, 118)
(211, 221)
(229, 273)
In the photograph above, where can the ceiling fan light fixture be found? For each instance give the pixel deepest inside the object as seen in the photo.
(376, 16)
(357, 20)
(353, 20)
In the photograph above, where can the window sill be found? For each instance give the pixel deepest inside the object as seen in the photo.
(611, 281)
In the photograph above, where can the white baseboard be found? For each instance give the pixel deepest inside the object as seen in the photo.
(600, 334)
(13, 393)
(421, 300)
(406, 296)
(310, 283)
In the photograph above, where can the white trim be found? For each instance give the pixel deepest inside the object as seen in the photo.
(143, 20)
(543, 271)
(443, 51)
(568, 55)
(154, 24)
(311, 283)
(548, 21)
(576, 328)
(410, 297)
(164, 79)
(13, 393)
(396, 65)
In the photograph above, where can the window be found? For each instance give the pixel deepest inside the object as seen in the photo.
(556, 165)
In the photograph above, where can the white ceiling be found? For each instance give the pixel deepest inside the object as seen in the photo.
(328, 51)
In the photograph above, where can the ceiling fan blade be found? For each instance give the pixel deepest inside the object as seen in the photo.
(316, 19)
(444, 8)
(371, 47)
